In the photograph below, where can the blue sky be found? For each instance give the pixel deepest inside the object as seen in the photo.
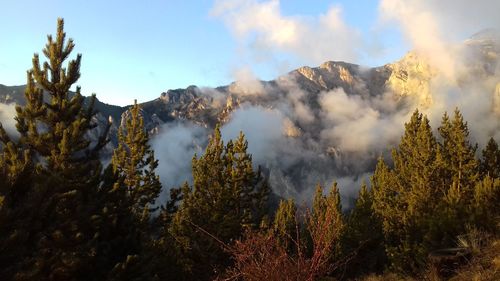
(138, 49)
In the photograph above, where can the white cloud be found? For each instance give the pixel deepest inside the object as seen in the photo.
(432, 27)
(7, 114)
(263, 29)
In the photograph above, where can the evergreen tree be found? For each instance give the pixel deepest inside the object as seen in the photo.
(135, 187)
(425, 201)
(485, 208)
(227, 196)
(457, 154)
(327, 214)
(62, 172)
(15, 222)
(363, 237)
(406, 197)
(134, 162)
(459, 171)
(285, 225)
(490, 164)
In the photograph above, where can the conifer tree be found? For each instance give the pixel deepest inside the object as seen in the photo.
(363, 236)
(485, 208)
(54, 199)
(459, 171)
(327, 214)
(490, 163)
(405, 197)
(457, 154)
(134, 162)
(133, 189)
(285, 225)
(425, 201)
(227, 195)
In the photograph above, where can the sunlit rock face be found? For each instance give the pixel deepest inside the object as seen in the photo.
(411, 76)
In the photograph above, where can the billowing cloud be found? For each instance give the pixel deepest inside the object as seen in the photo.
(7, 114)
(303, 135)
(174, 147)
(354, 124)
(262, 27)
(432, 27)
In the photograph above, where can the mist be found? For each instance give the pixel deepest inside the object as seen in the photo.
(301, 135)
(7, 114)
(174, 147)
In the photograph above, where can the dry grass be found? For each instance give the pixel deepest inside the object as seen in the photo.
(484, 266)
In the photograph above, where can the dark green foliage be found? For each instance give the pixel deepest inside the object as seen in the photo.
(490, 162)
(285, 225)
(363, 239)
(327, 214)
(57, 208)
(135, 188)
(430, 195)
(405, 197)
(227, 196)
(134, 163)
(485, 208)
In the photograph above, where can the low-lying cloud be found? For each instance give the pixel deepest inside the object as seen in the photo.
(304, 136)
(7, 114)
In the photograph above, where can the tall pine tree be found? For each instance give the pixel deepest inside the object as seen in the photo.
(62, 169)
(227, 195)
(406, 196)
(134, 162)
(490, 163)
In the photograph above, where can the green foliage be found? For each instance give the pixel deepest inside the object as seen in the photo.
(327, 218)
(227, 196)
(133, 191)
(285, 225)
(61, 217)
(485, 208)
(458, 162)
(405, 196)
(429, 196)
(490, 164)
(57, 209)
(134, 163)
(363, 238)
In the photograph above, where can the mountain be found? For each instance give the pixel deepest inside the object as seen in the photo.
(336, 119)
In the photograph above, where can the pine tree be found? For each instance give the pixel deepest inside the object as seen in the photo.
(327, 216)
(15, 185)
(458, 154)
(134, 162)
(226, 197)
(55, 206)
(490, 163)
(363, 237)
(285, 225)
(406, 197)
(485, 208)
(459, 171)
(133, 191)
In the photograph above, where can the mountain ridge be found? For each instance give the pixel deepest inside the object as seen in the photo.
(332, 121)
